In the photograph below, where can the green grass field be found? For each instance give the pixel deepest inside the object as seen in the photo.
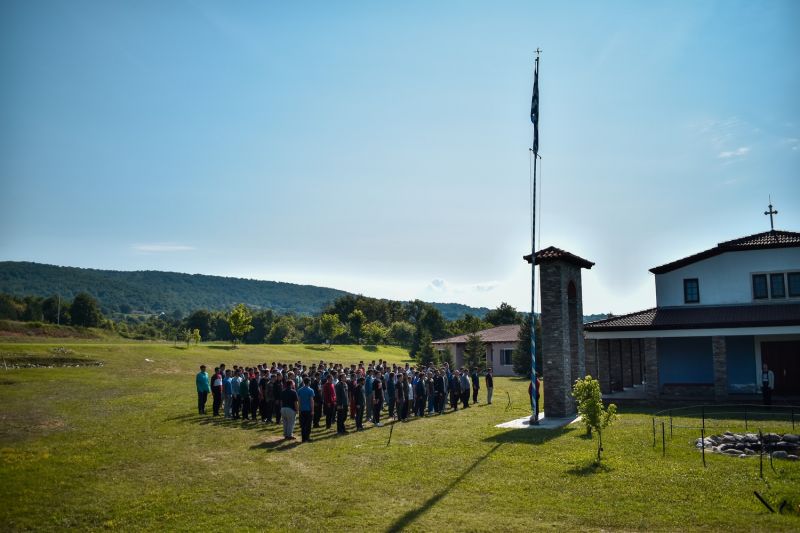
(119, 446)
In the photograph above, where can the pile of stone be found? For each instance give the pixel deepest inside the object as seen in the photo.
(786, 446)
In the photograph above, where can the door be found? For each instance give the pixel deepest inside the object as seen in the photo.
(783, 358)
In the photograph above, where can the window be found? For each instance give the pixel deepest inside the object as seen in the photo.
(505, 357)
(691, 291)
(794, 284)
(776, 287)
(760, 286)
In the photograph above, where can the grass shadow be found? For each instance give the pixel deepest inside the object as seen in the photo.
(410, 516)
(218, 347)
(276, 444)
(589, 469)
(530, 435)
(369, 348)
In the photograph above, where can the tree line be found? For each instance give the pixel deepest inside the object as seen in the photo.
(349, 319)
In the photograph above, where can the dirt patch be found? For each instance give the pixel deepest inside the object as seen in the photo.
(39, 361)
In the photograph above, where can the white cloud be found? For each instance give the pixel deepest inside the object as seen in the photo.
(739, 152)
(439, 285)
(161, 247)
(792, 143)
(486, 287)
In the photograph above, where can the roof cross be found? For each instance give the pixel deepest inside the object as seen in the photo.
(770, 213)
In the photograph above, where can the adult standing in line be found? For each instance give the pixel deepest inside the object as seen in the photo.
(465, 387)
(227, 384)
(377, 398)
(316, 385)
(368, 391)
(361, 401)
(306, 395)
(391, 394)
(438, 388)
(288, 409)
(476, 384)
(216, 391)
(342, 403)
(455, 390)
(265, 395)
(244, 394)
(767, 384)
(255, 395)
(203, 388)
(489, 385)
(329, 401)
(277, 389)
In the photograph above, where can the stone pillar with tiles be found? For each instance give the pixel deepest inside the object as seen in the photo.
(720, 354)
(651, 368)
(562, 327)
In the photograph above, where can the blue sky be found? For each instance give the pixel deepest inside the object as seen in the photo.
(381, 148)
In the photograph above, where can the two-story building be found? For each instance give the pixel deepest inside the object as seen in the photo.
(719, 315)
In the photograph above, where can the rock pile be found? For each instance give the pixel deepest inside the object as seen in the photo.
(785, 446)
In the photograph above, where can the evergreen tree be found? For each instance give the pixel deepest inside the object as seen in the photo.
(475, 352)
(426, 352)
(521, 359)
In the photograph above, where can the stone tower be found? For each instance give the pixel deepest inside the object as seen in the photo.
(564, 359)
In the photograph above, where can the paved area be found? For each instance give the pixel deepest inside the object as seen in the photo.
(544, 423)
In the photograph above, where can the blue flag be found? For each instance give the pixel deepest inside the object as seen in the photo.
(535, 108)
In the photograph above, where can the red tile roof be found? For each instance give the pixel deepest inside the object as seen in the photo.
(552, 253)
(509, 333)
(759, 241)
(727, 316)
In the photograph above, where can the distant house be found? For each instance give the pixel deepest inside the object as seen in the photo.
(500, 344)
(719, 315)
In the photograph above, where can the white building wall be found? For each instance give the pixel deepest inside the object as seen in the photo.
(725, 279)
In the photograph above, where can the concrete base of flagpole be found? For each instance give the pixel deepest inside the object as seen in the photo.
(543, 423)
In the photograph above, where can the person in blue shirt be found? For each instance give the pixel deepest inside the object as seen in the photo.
(203, 388)
(306, 396)
(227, 390)
(368, 393)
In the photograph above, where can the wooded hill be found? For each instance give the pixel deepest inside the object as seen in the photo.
(152, 291)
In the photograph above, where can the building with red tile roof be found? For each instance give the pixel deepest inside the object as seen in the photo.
(720, 314)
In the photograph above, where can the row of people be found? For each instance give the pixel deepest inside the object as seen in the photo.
(281, 393)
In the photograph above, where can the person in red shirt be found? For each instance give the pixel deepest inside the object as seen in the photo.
(329, 401)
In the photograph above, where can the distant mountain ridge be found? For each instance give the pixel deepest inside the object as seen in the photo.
(154, 291)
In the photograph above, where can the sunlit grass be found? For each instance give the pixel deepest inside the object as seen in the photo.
(121, 447)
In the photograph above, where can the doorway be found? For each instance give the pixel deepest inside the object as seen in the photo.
(783, 358)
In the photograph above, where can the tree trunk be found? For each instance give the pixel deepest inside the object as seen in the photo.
(599, 444)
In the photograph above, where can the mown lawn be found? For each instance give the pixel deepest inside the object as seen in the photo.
(119, 446)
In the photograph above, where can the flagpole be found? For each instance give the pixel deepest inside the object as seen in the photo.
(535, 149)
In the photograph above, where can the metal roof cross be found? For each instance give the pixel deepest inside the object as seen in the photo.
(770, 213)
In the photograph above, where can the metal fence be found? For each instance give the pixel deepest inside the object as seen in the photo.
(703, 420)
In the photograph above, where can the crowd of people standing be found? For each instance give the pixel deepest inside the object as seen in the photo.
(282, 393)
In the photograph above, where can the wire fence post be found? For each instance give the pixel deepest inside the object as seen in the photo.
(654, 432)
(670, 423)
(760, 454)
(703, 415)
(663, 440)
(745, 418)
(703, 446)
